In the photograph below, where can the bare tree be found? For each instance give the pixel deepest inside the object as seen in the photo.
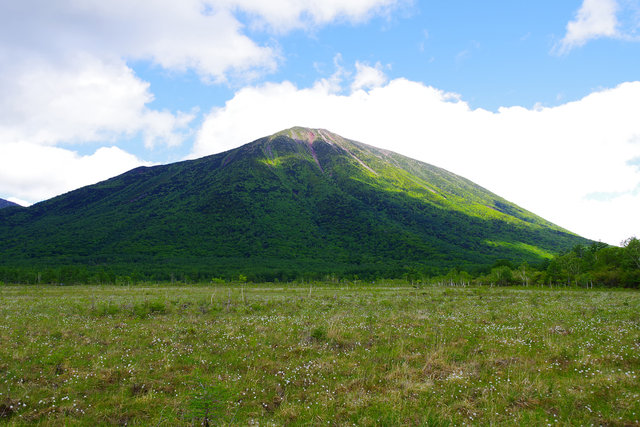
(523, 273)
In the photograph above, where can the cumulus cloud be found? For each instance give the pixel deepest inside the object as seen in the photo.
(368, 77)
(65, 76)
(189, 34)
(203, 35)
(596, 18)
(548, 160)
(32, 172)
(84, 100)
(601, 18)
(284, 15)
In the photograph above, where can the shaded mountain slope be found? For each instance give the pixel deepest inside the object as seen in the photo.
(7, 204)
(302, 202)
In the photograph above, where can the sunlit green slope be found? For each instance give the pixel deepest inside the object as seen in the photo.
(302, 202)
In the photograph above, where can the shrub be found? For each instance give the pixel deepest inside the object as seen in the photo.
(319, 333)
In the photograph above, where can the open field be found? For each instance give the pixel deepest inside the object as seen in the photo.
(276, 354)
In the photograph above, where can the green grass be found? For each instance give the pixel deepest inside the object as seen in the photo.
(379, 355)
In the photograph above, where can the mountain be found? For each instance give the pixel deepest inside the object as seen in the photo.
(7, 204)
(300, 203)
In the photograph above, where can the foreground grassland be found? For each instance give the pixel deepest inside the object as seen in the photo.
(323, 355)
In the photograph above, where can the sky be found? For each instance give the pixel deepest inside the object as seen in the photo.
(539, 102)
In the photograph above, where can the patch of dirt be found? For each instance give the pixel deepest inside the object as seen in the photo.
(139, 389)
(505, 362)
(559, 330)
(7, 409)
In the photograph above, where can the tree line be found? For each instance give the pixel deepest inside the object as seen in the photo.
(586, 266)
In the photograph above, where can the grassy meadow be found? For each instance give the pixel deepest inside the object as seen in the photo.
(334, 355)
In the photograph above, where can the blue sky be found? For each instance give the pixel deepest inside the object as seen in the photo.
(537, 101)
(492, 53)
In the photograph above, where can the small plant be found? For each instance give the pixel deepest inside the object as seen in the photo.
(319, 333)
(157, 307)
(208, 404)
(106, 309)
(143, 310)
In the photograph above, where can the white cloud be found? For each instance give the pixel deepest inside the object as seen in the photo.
(202, 35)
(64, 74)
(32, 172)
(547, 160)
(175, 35)
(83, 100)
(86, 100)
(368, 77)
(284, 15)
(601, 18)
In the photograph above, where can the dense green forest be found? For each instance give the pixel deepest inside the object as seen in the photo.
(595, 265)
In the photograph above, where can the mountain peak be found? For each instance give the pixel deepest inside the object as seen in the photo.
(309, 135)
(303, 202)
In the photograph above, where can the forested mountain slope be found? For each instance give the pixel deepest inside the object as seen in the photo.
(300, 203)
(6, 204)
